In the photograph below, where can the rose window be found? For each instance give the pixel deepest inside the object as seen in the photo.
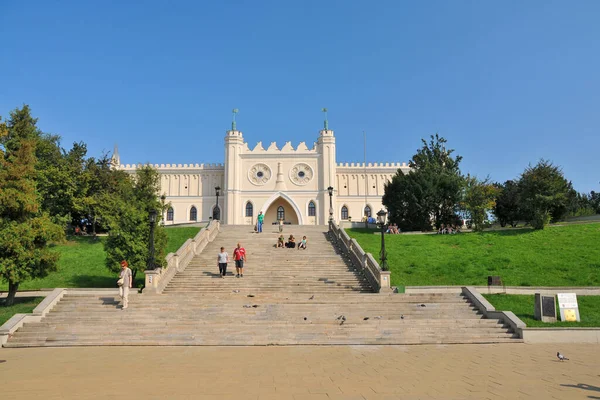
(301, 174)
(259, 174)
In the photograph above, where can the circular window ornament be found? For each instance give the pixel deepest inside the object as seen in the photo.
(301, 174)
(259, 174)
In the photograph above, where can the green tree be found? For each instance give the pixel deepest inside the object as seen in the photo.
(125, 213)
(507, 209)
(25, 230)
(429, 193)
(545, 194)
(479, 199)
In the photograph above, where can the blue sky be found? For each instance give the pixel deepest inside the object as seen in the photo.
(506, 82)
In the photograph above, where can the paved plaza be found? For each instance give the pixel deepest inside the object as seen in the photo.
(511, 371)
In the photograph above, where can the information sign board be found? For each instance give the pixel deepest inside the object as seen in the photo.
(567, 304)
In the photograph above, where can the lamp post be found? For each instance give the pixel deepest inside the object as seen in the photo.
(152, 220)
(217, 212)
(162, 209)
(330, 190)
(382, 255)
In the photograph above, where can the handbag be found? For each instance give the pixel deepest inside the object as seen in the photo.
(121, 281)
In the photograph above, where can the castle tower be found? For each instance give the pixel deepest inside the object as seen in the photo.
(234, 141)
(327, 168)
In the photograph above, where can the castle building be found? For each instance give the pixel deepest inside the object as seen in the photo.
(288, 183)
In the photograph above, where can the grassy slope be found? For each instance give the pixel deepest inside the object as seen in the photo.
(22, 305)
(178, 236)
(523, 305)
(82, 260)
(556, 256)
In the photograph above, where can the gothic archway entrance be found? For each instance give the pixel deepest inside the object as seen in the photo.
(281, 208)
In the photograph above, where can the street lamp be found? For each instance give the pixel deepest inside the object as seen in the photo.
(217, 212)
(330, 190)
(162, 209)
(152, 220)
(382, 255)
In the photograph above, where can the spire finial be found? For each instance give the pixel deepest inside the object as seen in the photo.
(325, 123)
(234, 111)
(116, 159)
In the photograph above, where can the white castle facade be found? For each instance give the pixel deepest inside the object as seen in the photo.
(288, 183)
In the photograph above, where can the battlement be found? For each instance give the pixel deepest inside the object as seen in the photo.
(373, 165)
(273, 149)
(133, 167)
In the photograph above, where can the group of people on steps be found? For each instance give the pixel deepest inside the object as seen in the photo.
(239, 256)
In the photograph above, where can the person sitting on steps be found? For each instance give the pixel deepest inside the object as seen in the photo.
(281, 241)
(302, 243)
(291, 243)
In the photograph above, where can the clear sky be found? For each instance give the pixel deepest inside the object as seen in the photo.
(506, 82)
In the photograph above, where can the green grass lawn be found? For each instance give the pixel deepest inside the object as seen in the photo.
(82, 261)
(523, 306)
(178, 236)
(556, 256)
(22, 305)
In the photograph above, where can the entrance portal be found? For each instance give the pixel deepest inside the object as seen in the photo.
(281, 208)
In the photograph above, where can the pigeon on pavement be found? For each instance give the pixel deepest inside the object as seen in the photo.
(311, 297)
(561, 357)
(402, 317)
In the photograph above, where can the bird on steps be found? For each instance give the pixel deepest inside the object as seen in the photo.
(311, 297)
(561, 357)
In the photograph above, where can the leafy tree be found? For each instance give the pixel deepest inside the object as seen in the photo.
(582, 205)
(479, 199)
(25, 230)
(429, 193)
(595, 201)
(58, 175)
(545, 194)
(125, 212)
(507, 209)
(97, 181)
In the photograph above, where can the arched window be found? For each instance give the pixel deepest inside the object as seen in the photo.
(249, 209)
(193, 214)
(344, 212)
(280, 213)
(217, 213)
(170, 214)
(368, 212)
(312, 209)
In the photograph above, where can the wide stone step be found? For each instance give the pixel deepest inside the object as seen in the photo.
(245, 341)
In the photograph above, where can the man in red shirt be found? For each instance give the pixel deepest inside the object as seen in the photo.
(239, 255)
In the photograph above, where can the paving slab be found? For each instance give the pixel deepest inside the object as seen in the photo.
(496, 371)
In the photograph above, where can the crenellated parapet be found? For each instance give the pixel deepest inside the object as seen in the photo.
(287, 148)
(373, 165)
(204, 166)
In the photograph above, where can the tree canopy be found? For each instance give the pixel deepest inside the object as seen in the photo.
(25, 228)
(428, 194)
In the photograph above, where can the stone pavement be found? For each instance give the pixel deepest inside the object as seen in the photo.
(511, 371)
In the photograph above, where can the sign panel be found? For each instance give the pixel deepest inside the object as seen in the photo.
(569, 310)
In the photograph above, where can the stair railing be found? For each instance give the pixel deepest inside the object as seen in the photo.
(378, 279)
(158, 279)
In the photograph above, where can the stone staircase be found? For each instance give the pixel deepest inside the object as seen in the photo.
(286, 297)
(318, 269)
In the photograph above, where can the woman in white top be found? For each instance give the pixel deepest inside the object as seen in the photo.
(222, 260)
